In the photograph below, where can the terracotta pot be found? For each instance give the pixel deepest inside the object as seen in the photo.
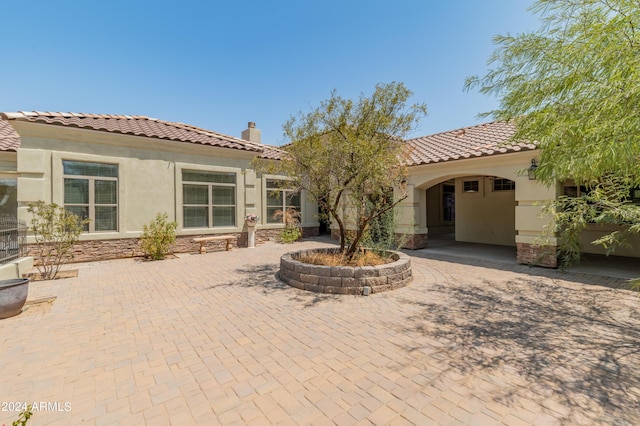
(13, 294)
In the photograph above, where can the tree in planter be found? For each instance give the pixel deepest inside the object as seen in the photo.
(158, 236)
(573, 86)
(55, 231)
(345, 153)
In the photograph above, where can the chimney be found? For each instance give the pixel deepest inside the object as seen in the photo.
(251, 134)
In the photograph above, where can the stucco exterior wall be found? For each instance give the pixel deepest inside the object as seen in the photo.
(485, 216)
(593, 232)
(149, 176)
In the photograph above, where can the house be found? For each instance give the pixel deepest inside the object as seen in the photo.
(469, 184)
(120, 171)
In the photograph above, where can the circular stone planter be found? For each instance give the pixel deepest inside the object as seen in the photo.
(13, 294)
(344, 279)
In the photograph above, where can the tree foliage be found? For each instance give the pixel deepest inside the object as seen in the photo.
(345, 153)
(573, 87)
(55, 231)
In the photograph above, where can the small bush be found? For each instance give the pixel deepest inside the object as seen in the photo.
(158, 236)
(55, 230)
(290, 234)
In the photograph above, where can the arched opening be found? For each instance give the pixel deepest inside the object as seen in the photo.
(471, 208)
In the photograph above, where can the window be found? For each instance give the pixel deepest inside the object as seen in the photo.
(8, 197)
(91, 192)
(209, 199)
(280, 198)
(576, 191)
(470, 186)
(500, 184)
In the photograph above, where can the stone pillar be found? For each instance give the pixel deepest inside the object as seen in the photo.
(532, 248)
(412, 218)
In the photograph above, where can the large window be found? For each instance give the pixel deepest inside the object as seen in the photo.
(91, 192)
(279, 199)
(209, 199)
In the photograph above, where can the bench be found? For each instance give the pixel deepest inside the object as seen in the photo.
(203, 241)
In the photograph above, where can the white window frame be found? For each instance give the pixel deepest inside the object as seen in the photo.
(91, 227)
(179, 200)
(284, 193)
(210, 205)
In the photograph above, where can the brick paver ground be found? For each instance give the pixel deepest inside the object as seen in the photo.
(216, 339)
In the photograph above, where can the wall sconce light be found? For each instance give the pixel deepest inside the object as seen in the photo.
(532, 169)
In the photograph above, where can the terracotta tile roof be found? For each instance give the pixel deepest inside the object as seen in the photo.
(9, 138)
(139, 126)
(474, 141)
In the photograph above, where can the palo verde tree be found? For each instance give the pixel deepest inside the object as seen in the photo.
(573, 87)
(347, 154)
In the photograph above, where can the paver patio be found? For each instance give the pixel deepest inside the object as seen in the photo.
(216, 339)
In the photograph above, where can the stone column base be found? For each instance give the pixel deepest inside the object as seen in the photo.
(414, 241)
(529, 254)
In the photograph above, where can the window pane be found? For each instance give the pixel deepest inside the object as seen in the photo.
(193, 176)
(279, 184)
(224, 195)
(106, 192)
(106, 218)
(470, 186)
(90, 169)
(224, 216)
(293, 199)
(81, 212)
(271, 211)
(195, 194)
(9, 197)
(274, 198)
(272, 183)
(76, 191)
(196, 217)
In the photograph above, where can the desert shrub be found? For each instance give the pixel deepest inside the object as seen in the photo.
(55, 231)
(158, 236)
(291, 232)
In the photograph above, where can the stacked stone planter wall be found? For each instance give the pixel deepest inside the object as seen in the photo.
(344, 279)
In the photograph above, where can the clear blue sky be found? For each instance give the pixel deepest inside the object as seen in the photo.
(220, 64)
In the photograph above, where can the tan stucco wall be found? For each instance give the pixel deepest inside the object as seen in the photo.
(149, 175)
(593, 232)
(485, 216)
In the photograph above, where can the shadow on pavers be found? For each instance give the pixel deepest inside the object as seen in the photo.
(579, 346)
(264, 279)
(577, 275)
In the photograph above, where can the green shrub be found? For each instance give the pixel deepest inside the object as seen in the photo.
(158, 236)
(55, 231)
(290, 234)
